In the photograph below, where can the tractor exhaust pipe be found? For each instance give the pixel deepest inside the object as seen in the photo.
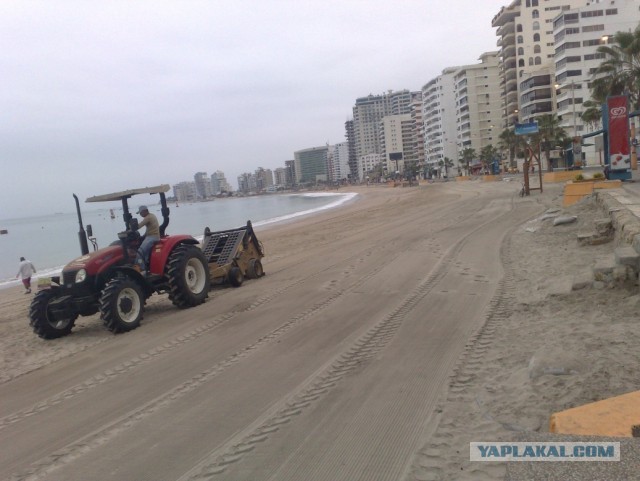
(82, 235)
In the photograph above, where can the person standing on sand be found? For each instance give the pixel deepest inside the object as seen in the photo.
(26, 270)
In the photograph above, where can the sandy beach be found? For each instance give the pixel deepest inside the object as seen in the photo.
(386, 335)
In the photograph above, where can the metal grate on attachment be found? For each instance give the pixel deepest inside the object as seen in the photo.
(221, 247)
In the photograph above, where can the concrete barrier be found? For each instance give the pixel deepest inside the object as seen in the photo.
(575, 191)
(560, 176)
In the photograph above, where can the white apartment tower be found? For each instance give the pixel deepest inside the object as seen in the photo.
(339, 161)
(478, 103)
(439, 119)
(369, 111)
(396, 137)
(577, 34)
(219, 183)
(525, 38)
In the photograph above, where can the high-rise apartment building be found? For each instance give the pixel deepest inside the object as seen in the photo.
(439, 119)
(577, 35)
(396, 141)
(219, 184)
(478, 103)
(264, 179)
(369, 111)
(185, 191)
(525, 31)
(339, 169)
(280, 177)
(290, 172)
(203, 185)
(351, 141)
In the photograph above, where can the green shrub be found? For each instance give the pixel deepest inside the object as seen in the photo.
(598, 175)
(579, 177)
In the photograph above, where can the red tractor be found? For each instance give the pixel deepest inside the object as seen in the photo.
(106, 281)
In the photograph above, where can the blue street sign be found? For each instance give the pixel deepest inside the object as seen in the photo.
(527, 128)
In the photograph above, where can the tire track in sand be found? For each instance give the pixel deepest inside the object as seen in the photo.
(362, 350)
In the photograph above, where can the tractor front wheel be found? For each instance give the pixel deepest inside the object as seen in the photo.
(121, 305)
(46, 324)
(188, 276)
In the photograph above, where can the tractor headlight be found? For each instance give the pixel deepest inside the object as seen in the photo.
(81, 275)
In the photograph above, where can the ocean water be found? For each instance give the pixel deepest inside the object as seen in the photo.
(51, 241)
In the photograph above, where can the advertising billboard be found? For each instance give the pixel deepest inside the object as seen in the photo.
(618, 118)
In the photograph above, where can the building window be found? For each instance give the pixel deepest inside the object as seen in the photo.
(536, 25)
(536, 49)
(520, 39)
(520, 51)
(519, 28)
(535, 14)
(521, 62)
(530, 60)
(538, 61)
(536, 37)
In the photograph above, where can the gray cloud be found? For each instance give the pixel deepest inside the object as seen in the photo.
(101, 97)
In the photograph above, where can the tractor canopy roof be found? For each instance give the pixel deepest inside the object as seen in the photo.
(125, 194)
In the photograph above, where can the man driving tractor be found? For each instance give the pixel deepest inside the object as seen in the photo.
(151, 236)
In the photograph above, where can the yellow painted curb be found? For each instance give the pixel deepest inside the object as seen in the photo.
(460, 178)
(607, 184)
(611, 417)
(490, 178)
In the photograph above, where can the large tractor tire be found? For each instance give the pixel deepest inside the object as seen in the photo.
(188, 276)
(42, 320)
(254, 269)
(121, 305)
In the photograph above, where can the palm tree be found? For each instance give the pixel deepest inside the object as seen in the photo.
(487, 154)
(592, 113)
(549, 135)
(468, 154)
(509, 141)
(448, 163)
(619, 73)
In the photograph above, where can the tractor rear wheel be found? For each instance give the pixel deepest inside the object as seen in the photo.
(235, 276)
(44, 323)
(188, 276)
(121, 305)
(254, 269)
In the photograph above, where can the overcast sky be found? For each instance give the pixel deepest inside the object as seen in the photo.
(99, 97)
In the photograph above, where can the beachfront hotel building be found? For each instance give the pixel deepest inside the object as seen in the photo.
(577, 35)
(478, 103)
(311, 165)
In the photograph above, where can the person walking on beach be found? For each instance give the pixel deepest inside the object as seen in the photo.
(26, 270)
(151, 236)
